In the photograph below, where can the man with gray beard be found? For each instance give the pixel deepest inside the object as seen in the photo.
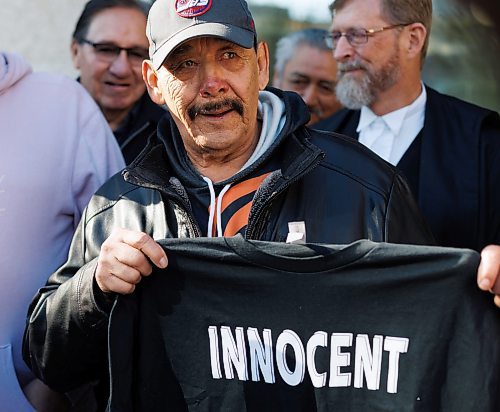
(448, 149)
(358, 92)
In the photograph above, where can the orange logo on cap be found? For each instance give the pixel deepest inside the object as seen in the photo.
(192, 8)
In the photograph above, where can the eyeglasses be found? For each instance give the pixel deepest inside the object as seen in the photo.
(356, 37)
(109, 52)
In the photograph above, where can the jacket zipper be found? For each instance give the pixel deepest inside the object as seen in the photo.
(253, 225)
(194, 224)
(182, 205)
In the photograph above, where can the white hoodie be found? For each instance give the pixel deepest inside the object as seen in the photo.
(56, 149)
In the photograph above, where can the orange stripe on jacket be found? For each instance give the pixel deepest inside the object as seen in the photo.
(239, 218)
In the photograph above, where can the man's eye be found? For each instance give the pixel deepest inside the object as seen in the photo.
(328, 88)
(107, 49)
(187, 64)
(358, 34)
(229, 55)
(181, 66)
(336, 35)
(138, 53)
(298, 81)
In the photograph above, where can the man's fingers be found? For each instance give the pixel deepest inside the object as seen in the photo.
(115, 276)
(125, 257)
(489, 269)
(117, 285)
(132, 257)
(146, 245)
(488, 274)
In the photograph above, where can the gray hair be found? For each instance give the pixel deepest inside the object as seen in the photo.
(401, 12)
(287, 45)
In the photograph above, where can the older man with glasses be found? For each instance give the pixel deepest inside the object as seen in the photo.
(108, 48)
(447, 148)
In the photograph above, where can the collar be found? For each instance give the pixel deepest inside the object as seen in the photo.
(124, 128)
(272, 114)
(394, 120)
(271, 110)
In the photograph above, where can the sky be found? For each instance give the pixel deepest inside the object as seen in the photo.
(316, 10)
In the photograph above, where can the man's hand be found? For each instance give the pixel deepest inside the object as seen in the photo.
(488, 274)
(126, 257)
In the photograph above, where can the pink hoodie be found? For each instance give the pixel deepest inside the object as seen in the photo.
(56, 150)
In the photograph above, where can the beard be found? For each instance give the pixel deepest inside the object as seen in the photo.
(355, 93)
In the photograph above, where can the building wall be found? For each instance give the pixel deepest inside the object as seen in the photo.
(40, 30)
(463, 57)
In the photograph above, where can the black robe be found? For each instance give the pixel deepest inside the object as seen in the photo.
(453, 167)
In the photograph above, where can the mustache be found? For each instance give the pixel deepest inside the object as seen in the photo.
(318, 112)
(343, 67)
(211, 107)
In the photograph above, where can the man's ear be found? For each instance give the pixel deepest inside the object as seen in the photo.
(416, 39)
(263, 64)
(75, 54)
(150, 77)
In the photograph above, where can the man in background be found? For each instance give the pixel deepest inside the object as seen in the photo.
(304, 64)
(448, 149)
(108, 47)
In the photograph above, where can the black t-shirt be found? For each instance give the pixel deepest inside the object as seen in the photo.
(235, 325)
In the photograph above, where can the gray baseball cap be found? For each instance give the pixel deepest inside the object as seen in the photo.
(172, 22)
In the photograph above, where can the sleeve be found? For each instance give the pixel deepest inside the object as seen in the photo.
(65, 338)
(65, 341)
(404, 221)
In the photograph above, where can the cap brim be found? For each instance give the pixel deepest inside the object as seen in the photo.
(242, 37)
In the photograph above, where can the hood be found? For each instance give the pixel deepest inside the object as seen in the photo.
(293, 113)
(296, 111)
(13, 68)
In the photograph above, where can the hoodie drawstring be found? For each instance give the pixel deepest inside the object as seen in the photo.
(213, 202)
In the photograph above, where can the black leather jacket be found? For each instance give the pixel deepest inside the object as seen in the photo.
(341, 190)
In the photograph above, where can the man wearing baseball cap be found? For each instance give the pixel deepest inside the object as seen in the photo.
(234, 158)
